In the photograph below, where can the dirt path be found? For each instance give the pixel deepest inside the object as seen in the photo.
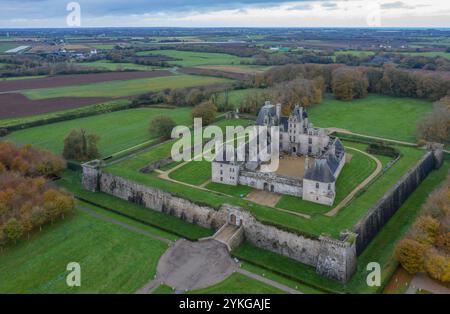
(268, 281)
(124, 225)
(362, 185)
(423, 282)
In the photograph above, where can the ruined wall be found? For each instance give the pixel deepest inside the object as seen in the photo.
(282, 185)
(161, 201)
(377, 216)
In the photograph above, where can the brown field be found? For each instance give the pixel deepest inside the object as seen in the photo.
(76, 79)
(14, 105)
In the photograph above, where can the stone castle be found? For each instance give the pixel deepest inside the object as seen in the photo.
(310, 160)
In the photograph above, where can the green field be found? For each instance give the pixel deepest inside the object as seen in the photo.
(7, 46)
(430, 54)
(123, 88)
(76, 112)
(236, 97)
(118, 130)
(112, 66)
(191, 59)
(112, 258)
(353, 173)
(237, 283)
(357, 53)
(382, 116)
(194, 172)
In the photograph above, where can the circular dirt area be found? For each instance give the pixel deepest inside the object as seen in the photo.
(194, 265)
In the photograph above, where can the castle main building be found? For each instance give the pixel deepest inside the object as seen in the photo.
(310, 160)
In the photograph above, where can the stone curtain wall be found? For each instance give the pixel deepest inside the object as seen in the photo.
(282, 185)
(369, 226)
(297, 247)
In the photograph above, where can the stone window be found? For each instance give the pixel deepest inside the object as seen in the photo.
(317, 185)
(329, 187)
(221, 172)
(221, 179)
(310, 140)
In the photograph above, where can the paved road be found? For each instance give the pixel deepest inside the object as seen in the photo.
(268, 281)
(422, 281)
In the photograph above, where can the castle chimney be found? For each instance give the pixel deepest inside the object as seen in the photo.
(278, 110)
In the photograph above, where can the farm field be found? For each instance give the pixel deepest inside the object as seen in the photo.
(4, 46)
(191, 59)
(15, 105)
(112, 258)
(124, 88)
(382, 116)
(358, 53)
(76, 79)
(133, 130)
(236, 97)
(79, 111)
(430, 54)
(113, 66)
(237, 283)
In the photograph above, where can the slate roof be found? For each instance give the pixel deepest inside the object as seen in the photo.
(320, 172)
(267, 110)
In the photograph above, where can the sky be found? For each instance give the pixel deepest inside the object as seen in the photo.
(225, 13)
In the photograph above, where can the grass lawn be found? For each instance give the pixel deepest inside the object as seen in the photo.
(118, 130)
(237, 283)
(123, 88)
(191, 59)
(353, 173)
(164, 225)
(236, 191)
(382, 116)
(163, 289)
(236, 97)
(194, 172)
(112, 258)
(112, 66)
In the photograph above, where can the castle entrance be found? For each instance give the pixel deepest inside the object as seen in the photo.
(233, 219)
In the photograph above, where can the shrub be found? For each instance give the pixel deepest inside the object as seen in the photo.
(162, 127)
(206, 111)
(80, 146)
(410, 254)
(438, 266)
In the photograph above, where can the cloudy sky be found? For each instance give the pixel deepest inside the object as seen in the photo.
(235, 13)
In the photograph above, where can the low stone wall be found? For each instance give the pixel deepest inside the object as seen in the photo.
(297, 247)
(377, 216)
(156, 165)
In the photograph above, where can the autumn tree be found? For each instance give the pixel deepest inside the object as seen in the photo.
(349, 84)
(438, 266)
(435, 126)
(410, 254)
(81, 146)
(162, 127)
(206, 111)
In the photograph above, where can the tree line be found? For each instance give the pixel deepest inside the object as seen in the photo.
(28, 200)
(427, 245)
